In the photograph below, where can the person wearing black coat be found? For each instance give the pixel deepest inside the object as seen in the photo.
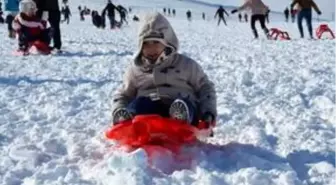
(220, 12)
(49, 10)
(110, 9)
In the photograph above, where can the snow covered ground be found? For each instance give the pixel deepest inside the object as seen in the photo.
(276, 103)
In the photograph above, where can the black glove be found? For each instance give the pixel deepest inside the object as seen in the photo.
(234, 11)
(120, 115)
(319, 12)
(208, 119)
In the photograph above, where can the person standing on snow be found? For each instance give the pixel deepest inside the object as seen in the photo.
(220, 12)
(12, 7)
(189, 15)
(49, 10)
(162, 81)
(110, 9)
(2, 20)
(123, 12)
(259, 11)
(246, 17)
(267, 16)
(305, 12)
(286, 12)
(67, 14)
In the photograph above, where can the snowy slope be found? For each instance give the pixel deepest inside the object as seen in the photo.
(276, 103)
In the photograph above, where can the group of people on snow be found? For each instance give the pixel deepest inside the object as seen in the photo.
(260, 13)
(28, 20)
(168, 11)
(109, 11)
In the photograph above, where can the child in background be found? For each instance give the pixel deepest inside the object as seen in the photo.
(29, 27)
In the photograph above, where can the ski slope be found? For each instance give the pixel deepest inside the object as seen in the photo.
(276, 104)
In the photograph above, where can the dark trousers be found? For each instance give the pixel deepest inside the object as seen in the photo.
(144, 105)
(54, 20)
(25, 39)
(66, 19)
(9, 21)
(112, 21)
(122, 20)
(305, 14)
(219, 20)
(261, 19)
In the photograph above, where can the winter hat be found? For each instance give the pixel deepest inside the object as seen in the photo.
(155, 36)
(27, 6)
(155, 27)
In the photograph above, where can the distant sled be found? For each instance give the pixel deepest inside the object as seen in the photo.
(322, 29)
(277, 34)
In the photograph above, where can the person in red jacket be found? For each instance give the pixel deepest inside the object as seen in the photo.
(29, 27)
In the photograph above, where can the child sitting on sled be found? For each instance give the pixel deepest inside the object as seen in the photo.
(29, 27)
(162, 81)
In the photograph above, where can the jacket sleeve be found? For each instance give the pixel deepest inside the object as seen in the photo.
(226, 12)
(316, 8)
(104, 10)
(293, 4)
(205, 90)
(216, 14)
(244, 6)
(126, 92)
(16, 24)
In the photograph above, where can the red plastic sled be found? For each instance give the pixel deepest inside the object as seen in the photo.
(154, 130)
(276, 34)
(324, 28)
(36, 47)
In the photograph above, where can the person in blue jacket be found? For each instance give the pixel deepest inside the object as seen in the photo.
(12, 7)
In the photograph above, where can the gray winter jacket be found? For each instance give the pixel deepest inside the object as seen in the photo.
(257, 7)
(176, 76)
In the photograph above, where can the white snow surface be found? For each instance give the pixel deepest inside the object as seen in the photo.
(276, 104)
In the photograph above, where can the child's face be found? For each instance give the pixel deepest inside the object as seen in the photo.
(152, 49)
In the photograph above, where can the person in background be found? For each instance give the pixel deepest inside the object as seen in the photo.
(305, 12)
(12, 7)
(259, 11)
(49, 10)
(286, 13)
(189, 15)
(123, 12)
(67, 13)
(110, 9)
(220, 12)
(29, 26)
(246, 17)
